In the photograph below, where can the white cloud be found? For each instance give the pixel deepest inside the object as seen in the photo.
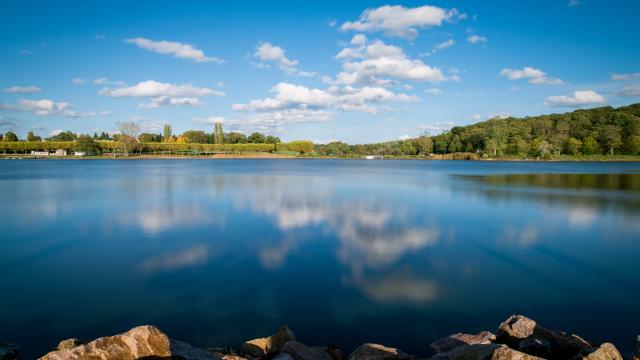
(152, 88)
(630, 91)
(437, 127)
(576, 99)
(268, 53)
(444, 45)
(433, 91)
(166, 94)
(404, 137)
(378, 63)
(625, 77)
(475, 39)
(48, 107)
(399, 21)
(77, 81)
(155, 103)
(348, 98)
(101, 81)
(535, 76)
(55, 132)
(22, 89)
(178, 50)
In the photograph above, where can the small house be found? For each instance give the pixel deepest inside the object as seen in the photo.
(40, 153)
(61, 152)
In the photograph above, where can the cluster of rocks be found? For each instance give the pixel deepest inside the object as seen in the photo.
(517, 338)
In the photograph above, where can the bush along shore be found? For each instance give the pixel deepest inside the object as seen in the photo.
(517, 338)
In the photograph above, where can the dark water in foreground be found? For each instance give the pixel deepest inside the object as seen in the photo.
(345, 252)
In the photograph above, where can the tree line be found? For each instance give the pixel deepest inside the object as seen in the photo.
(604, 130)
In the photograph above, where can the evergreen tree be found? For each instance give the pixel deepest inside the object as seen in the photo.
(167, 134)
(218, 133)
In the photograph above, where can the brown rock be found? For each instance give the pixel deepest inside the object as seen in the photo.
(69, 343)
(9, 351)
(503, 352)
(300, 351)
(378, 352)
(451, 342)
(517, 328)
(139, 342)
(259, 348)
(606, 351)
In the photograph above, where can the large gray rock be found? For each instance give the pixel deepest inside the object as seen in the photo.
(605, 351)
(453, 341)
(300, 351)
(259, 348)
(9, 351)
(378, 352)
(137, 343)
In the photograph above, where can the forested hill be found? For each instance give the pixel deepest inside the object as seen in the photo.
(603, 130)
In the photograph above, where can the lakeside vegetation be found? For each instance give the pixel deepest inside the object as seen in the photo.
(598, 134)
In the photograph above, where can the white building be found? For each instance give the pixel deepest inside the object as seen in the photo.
(40, 153)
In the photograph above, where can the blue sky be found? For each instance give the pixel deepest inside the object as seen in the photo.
(355, 71)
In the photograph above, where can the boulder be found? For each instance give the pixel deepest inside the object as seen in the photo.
(378, 352)
(9, 351)
(139, 342)
(536, 346)
(484, 352)
(259, 348)
(605, 351)
(69, 343)
(517, 328)
(300, 351)
(453, 341)
(503, 352)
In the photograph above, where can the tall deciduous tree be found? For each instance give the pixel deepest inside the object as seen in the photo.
(167, 134)
(129, 131)
(218, 133)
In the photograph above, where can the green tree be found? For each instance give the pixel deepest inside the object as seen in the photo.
(424, 143)
(455, 144)
(272, 139)
(166, 133)
(235, 138)
(10, 136)
(128, 136)
(573, 146)
(612, 138)
(195, 136)
(590, 146)
(86, 144)
(149, 138)
(32, 137)
(218, 133)
(64, 136)
(256, 138)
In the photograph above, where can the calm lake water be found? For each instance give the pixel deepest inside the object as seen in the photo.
(215, 252)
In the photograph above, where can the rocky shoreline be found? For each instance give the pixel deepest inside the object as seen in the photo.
(517, 338)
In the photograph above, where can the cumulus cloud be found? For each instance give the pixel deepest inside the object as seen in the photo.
(348, 98)
(400, 21)
(626, 77)
(630, 91)
(163, 93)
(535, 76)
(48, 107)
(576, 99)
(177, 49)
(22, 89)
(380, 64)
(270, 54)
(475, 39)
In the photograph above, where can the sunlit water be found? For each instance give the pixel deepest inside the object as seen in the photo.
(215, 252)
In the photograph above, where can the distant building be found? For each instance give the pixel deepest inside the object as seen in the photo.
(61, 152)
(373, 157)
(79, 153)
(40, 153)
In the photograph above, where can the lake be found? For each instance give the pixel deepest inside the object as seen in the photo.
(401, 253)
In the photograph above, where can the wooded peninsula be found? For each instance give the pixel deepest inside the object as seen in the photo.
(603, 133)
